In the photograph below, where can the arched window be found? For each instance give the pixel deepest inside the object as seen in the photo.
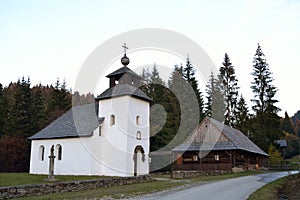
(138, 120)
(112, 120)
(42, 153)
(138, 135)
(59, 152)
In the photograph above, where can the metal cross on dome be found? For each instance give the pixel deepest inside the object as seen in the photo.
(125, 47)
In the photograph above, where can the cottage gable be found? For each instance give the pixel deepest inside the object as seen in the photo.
(207, 132)
(216, 146)
(214, 135)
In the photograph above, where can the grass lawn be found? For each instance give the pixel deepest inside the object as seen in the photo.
(269, 191)
(14, 179)
(127, 191)
(124, 191)
(288, 184)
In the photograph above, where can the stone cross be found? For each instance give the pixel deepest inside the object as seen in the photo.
(51, 164)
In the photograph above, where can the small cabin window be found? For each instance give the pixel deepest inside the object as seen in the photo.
(138, 120)
(217, 158)
(195, 158)
(138, 135)
(42, 153)
(59, 152)
(112, 120)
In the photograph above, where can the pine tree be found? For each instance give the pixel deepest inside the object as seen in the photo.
(242, 116)
(187, 113)
(230, 90)
(40, 114)
(266, 122)
(19, 121)
(189, 75)
(262, 88)
(162, 126)
(59, 100)
(215, 107)
(65, 97)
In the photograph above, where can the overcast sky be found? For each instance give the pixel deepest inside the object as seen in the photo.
(50, 39)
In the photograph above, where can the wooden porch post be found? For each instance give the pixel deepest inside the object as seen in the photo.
(172, 164)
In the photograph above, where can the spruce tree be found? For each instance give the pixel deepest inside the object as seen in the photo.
(215, 106)
(230, 89)
(266, 122)
(242, 116)
(60, 100)
(187, 113)
(262, 87)
(189, 75)
(162, 126)
(20, 121)
(40, 114)
(65, 97)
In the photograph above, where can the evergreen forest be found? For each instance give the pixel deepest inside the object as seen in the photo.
(27, 109)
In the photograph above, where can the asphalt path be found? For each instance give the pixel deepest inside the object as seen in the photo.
(229, 189)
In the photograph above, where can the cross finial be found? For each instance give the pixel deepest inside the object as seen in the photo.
(125, 47)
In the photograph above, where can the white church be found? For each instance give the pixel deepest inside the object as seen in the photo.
(110, 137)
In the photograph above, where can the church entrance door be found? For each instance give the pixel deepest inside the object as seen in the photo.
(138, 158)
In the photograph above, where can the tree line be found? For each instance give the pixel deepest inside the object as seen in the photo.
(25, 110)
(223, 101)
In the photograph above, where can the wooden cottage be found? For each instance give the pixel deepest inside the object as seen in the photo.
(215, 146)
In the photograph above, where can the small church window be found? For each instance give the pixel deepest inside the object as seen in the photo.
(138, 135)
(112, 120)
(138, 120)
(59, 152)
(100, 129)
(42, 153)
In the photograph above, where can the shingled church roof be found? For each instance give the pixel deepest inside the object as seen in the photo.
(79, 121)
(122, 90)
(234, 139)
(123, 70)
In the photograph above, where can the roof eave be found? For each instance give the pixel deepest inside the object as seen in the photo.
(64, 137)
(120, 95)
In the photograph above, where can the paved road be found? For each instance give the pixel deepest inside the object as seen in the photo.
(230, 189)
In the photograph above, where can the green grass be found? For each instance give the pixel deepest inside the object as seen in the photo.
(288, 185)
(124, 191)
(269, 191)
(127, 191)
(14, 179)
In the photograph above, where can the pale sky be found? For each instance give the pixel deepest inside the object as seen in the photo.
(52, 38)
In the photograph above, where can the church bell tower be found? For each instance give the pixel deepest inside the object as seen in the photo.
(126, 129)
